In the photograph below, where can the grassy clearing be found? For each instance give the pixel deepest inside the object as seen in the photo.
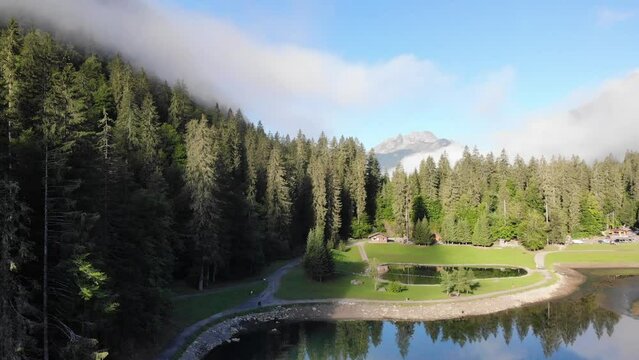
(192, 309)
(606, 247)
(296, 286)
(619, 257)
(449, 254)
(348, 261)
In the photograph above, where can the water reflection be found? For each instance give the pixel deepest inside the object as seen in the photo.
(422, 275)
(575, 328)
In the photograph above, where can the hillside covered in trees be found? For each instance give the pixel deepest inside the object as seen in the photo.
(483, 198)
(116, 184)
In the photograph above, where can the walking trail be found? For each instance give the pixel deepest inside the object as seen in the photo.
(362, 252)
(265, 298)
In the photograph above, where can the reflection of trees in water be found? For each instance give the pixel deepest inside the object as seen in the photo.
(375, 328)
(403, 333)
(554, 324)
(351, 339)
(341, 340)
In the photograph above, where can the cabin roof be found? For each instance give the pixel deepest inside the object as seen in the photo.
(375, 234)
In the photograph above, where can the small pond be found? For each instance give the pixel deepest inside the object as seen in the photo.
(430, 275)
(597, 322)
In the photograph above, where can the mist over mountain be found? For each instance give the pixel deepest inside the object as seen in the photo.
(410, 149)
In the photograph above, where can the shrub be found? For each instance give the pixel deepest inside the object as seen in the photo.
(395, 287)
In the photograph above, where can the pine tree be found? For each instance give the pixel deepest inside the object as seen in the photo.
(9, 62)
(148, 132)
(428, 179)
(359, 184)
(481, 231)
(592, 219)
(334, 218)
(202, 181)
(181, 108)
(15, 251)
(278, 206)
(64, 115)
(422, 234)
(373, 184)
(318, 260)
(534, 232)
(401, 201)
(317, 172)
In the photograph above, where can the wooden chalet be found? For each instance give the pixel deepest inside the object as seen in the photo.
(378, 237)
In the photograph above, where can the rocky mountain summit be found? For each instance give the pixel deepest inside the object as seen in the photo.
(393, 150)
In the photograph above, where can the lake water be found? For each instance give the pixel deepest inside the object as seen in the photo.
(596, 323)
(422, 275)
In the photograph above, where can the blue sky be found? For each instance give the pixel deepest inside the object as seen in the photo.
(554, 49)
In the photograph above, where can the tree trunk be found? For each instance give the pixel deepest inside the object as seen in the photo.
(9, 143)
(208, 275)
(45, 255)
(201, 282)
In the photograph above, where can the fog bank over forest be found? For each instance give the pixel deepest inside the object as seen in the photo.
(293, 87)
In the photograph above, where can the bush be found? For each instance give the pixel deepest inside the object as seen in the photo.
(395, 287)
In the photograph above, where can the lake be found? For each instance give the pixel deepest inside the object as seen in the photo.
(597, 322)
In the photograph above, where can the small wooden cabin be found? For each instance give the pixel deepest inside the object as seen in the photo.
(378, 237)
(623, 231)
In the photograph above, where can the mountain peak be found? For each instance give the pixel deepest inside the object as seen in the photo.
(415, 146)
(413, 141)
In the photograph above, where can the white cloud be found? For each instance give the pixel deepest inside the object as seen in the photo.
(454, 153)
(607, 123)
(621, 345)
(286, 86)
(493, 92)
(607, 17)
(281, 83)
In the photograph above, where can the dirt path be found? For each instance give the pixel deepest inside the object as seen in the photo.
(265, 298)
(362, 251)
(540, 258)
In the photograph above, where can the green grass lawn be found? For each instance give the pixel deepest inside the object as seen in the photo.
(348, 261)
(621, 256)
(449, 254)
(295, 285)
(192, 309)
(578, 247)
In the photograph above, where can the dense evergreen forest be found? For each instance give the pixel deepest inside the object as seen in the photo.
(116, 184)
(483, 198)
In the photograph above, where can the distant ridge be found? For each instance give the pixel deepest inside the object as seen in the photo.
(410, 149)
